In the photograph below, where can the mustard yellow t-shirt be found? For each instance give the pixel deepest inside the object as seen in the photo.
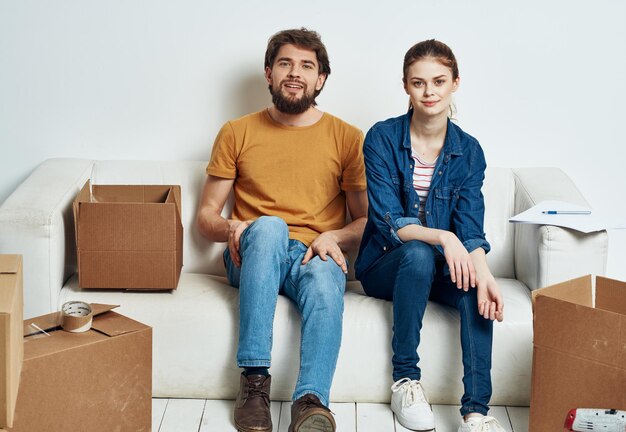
(296, 173)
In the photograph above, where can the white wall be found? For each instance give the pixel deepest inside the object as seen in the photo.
(542, 81)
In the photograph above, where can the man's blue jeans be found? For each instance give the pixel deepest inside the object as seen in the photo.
(411, 274)
(271, 264)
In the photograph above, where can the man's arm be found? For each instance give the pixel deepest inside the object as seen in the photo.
(211, 224)
(332, 243)
(349, 236)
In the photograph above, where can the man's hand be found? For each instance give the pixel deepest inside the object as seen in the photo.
(235, 229)
(325, 245)
(462, 271)
(490, 304)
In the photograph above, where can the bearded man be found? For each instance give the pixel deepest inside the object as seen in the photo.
(293, 169)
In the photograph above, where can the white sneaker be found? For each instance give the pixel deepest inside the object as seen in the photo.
(481, 424)
(409, 403)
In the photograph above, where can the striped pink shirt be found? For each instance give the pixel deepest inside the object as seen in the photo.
(422, 176)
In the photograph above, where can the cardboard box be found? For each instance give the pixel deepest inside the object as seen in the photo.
(129, 237)
(11, 336)
(579, 356)
(99, 380)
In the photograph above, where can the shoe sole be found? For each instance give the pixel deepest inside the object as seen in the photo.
(404, 423)
(244, 429)
(314, 423)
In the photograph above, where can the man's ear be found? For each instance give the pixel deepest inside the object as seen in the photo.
(268, 75)
(321, 79)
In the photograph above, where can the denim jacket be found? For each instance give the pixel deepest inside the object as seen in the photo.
(455, 201)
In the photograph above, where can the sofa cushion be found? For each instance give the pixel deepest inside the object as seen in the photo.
(196, 330)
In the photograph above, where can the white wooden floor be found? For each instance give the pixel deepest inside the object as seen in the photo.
(199, 415)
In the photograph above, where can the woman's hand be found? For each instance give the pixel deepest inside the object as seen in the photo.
(462, 271)
(490, 304)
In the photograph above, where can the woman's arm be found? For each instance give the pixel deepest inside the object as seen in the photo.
(490, 303)
(385, 209)
(468, 214)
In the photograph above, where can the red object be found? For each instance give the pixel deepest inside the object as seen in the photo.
(569, 420)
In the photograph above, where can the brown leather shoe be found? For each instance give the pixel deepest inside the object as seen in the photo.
(252, 407)
(308, 414)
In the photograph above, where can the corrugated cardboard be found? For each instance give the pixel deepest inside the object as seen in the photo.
(100, 380)
(129, 236)
(579, 357)
(11, 336)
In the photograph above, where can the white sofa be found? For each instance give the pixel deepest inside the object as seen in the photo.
(195, 326)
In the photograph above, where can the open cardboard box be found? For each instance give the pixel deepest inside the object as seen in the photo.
(579, 356)
(129, 236)
(11, 336)
(99, 380)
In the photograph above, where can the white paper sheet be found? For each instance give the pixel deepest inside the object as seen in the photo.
(581, 222)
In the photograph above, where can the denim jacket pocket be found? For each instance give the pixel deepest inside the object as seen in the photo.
(447, 193)
(445, 200)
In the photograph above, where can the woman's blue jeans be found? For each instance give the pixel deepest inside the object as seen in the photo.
(271, 264)
(410, 275)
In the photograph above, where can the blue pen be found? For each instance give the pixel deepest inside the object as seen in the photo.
(567, 212)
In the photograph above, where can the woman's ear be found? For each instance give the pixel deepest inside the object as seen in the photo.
(456, 84)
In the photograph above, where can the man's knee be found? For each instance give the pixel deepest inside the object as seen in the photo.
(269, 225)
(267, 230)
(324, 281)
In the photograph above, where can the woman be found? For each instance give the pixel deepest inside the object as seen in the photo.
(424, 236)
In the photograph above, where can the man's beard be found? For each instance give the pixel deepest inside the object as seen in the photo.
(292, 105)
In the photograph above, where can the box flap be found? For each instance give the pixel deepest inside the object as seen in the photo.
(611, 295)
(9, 264)
(114, 324)
(11, 338)
(578, 291)
(580, 331)
(130, 193)
(9, 268)
(174, 197)
(53, 320)
(83, 196)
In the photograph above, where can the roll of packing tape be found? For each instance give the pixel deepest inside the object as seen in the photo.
(76, 316)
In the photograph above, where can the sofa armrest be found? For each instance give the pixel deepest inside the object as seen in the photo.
(546, 254)
(36, 221)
